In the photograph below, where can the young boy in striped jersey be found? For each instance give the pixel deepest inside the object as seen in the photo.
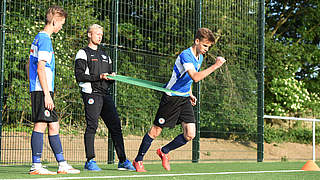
(41, 69)
(177, 108)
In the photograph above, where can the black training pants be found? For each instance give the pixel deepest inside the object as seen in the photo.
(95, 106)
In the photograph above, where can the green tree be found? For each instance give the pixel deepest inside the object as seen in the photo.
(292, 45)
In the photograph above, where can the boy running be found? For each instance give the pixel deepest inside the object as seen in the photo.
(176, 108)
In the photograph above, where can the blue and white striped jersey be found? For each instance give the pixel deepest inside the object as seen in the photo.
(41, 49)
(180, 80)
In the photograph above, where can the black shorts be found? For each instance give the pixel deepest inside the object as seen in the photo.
(39, 112)
(174, 110)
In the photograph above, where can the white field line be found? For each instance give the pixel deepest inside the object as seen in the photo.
(167, 175)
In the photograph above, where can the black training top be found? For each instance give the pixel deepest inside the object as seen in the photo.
(88, 67)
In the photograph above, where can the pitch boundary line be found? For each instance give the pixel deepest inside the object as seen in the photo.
(167, 175)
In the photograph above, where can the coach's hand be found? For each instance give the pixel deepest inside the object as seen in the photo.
(105, 76)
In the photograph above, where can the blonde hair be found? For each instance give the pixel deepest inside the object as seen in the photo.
(94, 26)
(55, 11)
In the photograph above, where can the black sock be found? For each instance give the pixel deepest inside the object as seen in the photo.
(174, 144)
(144, 147)
(56, 147)
(36, 146)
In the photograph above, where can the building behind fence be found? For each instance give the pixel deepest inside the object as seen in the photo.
(143, 39)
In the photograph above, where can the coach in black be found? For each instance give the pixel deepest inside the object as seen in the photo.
(91, 69)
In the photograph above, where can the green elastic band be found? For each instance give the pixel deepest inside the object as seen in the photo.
(144, 83)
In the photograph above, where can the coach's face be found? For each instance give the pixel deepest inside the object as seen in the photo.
(95, 36)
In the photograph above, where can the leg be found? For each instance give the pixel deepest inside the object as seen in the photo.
(154, 132)
(92, 108)
(186, 117)
(55, 142)
(182, 139)
(189, 130)
(37, 141)
(110, 117)
(40, 117)
(146, 142)
(92, 105)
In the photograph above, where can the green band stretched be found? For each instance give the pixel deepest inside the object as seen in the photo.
(144, 83)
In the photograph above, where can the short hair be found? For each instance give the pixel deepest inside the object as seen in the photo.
(94, 26)
(205, 33)
(55, 11)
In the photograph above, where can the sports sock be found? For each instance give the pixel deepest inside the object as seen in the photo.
(174, 144)
(36, 146)
(56, 147)
(145, 145)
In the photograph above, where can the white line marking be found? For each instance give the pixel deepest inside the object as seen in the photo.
(166, 175)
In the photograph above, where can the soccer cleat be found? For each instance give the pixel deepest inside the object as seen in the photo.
(165, 159)
(127, 165)
(65, 168)
(40, 170)
(139, 166)
(91, 166)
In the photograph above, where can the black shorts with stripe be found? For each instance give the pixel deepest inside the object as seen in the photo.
(174, 110)
(39, 112)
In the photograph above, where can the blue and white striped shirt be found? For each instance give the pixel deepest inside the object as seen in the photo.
(180, 80)
(41, 49)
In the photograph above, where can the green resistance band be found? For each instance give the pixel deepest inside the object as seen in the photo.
(144, 83)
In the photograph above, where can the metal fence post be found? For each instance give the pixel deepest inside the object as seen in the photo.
(114, 57)
(260, 110)
(196, 140)
(2, 45)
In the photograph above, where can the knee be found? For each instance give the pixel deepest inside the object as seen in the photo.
(53, 128)
(155, 131)
(40, 127)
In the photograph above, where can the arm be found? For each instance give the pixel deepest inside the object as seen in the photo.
(80, 68)
(44, 85)
(197, 76)
(193, 99)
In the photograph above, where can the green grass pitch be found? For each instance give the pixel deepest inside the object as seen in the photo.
(185, 171)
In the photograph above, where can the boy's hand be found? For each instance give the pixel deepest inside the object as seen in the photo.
(220, 61)
(48, 102)
(193, 100)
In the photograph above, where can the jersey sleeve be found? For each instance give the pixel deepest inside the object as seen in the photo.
(186, 61)
(81, 68)
(44, 48)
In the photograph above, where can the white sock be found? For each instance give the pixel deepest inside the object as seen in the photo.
(63, 163)
(36, 165)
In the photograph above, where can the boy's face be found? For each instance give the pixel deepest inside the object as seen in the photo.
(95, 36)
(57, 23)
(202, 45)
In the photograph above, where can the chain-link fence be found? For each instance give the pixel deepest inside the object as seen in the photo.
(143, 39)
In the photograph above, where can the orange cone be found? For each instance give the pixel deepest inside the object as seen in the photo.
(310, 166)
